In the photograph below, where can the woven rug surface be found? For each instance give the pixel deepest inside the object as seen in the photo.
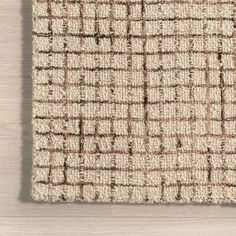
(134, 101)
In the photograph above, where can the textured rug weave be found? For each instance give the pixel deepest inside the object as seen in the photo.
(134, 101)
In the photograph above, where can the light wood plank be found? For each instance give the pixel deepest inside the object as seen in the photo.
(15, 37)
(117, 226)
(15, 99)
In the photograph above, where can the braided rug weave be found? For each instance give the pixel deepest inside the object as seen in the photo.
(134, 101)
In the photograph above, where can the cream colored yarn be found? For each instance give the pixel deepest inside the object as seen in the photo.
(134, 101)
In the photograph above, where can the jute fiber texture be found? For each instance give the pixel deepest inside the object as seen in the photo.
(134, 101)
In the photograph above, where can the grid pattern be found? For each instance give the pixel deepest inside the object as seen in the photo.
(134, 101)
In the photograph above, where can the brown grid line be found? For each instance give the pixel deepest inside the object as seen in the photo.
(178, 145)
(133, 70)
(81, 121)
(161, 91)
(138, 2)
(58, 150)
(209, 175)
(140, 18)
(156, 86)
(222, 98)
(203, 169)
(130, 137)
(170, 119)
(50, 91)
(229, 185)
(97, 93)
(133, 103)
(112, 90)
(145, 95)
(153, 36)
(65, 97)
(134, 53)
(180, 135)
(193, 118)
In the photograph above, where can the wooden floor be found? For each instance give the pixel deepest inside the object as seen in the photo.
(20, 215)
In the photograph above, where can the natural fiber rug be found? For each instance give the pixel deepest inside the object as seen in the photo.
(134, 101)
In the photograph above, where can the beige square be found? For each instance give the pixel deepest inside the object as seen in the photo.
(74, 27)
(152, 28)
(104, 127)
(168, 44)
(120, 61)
(136, 10)
(137, 45)
(103, 10)
(137, 61)
(121, 127)
(136, 28)
(120, 45)
(57, 9)
(88, 127)
(57, 26)
(57, 176)
(89, 26)
(121, 145)
(42, 44)
(120, 11)
(120, 27)
(153, 62)
(138, 128)
(104, 26)
(89, 9)
(74, 10)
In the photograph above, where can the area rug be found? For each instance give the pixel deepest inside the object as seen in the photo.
(134, 101)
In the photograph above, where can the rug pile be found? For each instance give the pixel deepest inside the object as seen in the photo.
(134, 101)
